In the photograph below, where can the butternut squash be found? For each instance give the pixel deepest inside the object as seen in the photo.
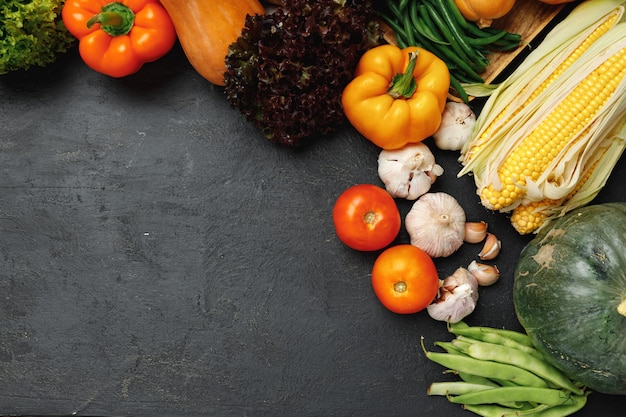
(483, 12)
(206, 28)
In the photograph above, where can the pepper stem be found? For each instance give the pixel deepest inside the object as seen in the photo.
(116, 19)
(404, 85)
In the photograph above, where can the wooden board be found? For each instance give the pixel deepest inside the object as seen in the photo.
(527, 18)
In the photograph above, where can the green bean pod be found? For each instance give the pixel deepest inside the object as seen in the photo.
(471, 30)
(469, 27)
(462, 344)
(486, 41)
(475, 330)
(487, 369)
(489, 410)
(506, 383)
(476, 380)
(466, 54)
(494, 410)
(471, 335)
(423, 28)
(439, 27)
(457, 32)
(409, 29)
(505, 355)
(451, 348)
(549, 396)
(398, 31)
(455, 388)
(561, 410)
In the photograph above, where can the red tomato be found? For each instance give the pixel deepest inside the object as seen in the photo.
(405, 279)
(366, 217)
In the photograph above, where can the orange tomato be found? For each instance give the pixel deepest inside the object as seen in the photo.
(366, 217)
(405, 279)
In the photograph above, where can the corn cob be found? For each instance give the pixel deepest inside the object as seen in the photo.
(546, 124)
(559, 129)
(561, 48)
(531, 216)
(568, 58)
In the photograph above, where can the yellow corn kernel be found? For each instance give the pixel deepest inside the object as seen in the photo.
(494, 126)
(527, 218)
(587, 42)
(559, 128)
(487, 134)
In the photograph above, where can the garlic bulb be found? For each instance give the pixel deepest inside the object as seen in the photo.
(457, 297)
(436, 224)
(457, 123)
(408, 172)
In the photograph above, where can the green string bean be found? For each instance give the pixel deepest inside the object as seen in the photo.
(487, 369)
(439, 27)
(502, 375)
(456, 388)
(547, 396)
(476, 331)
(472, 336)
(506, 355)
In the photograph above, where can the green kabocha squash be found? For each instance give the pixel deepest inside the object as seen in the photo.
(570, 295)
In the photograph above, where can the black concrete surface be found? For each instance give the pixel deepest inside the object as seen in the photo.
(158, 257)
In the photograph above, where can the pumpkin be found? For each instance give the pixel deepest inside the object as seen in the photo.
(570, 295)
(206, 28)
(483, 12)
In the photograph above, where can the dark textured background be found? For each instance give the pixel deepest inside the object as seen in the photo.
(158, 257)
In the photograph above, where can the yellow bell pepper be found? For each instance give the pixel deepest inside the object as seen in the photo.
(397, 95)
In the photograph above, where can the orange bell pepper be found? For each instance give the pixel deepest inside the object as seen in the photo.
(397, 95)
(117, 38)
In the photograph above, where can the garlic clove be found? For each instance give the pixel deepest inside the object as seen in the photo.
(491, 248)
(485, 274)
(433, 175)
(475, 232)
(460, 277)
(436, 224)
